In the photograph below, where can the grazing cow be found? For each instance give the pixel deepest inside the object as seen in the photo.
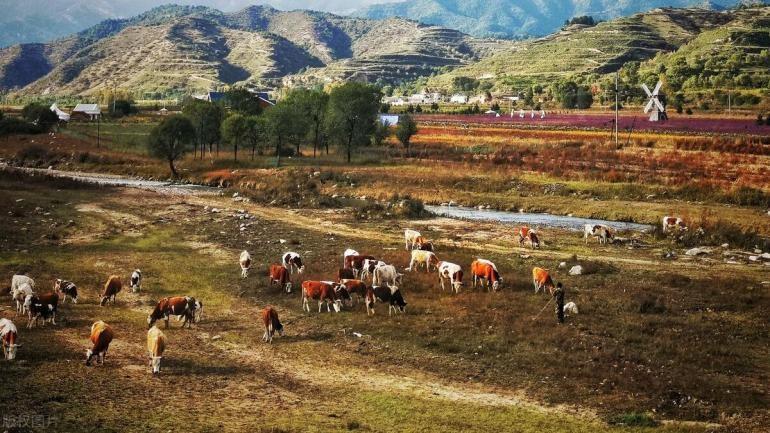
(356, 263)
(526, 234)
(272, 324)
(411, 238)
(66, 288)
(344, 274)
(369, 267)
(279, 275)
(20, 280)
(20, 294)
(101, 337)
(420, 257)
(348, 252)
(111, 289)
(245, 262)
(292, 261)
(322, 291)
(135, 283)
(487, 271)
(355, 287)
(385, 294)
(41, 306)
(183, 307)
(386, 275)
(670, 222)
(600, 231)
(571, 308)
(9, 336)
(156, 345)
(542, 280)
(451, 273)
(426, 246)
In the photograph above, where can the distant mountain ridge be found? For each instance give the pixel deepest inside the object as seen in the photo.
(522, 18)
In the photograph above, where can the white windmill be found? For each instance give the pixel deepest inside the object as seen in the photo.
(654, 107)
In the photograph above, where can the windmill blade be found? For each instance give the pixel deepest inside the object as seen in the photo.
(660, 106)
(647, 90)
(649, 106)
(657, 88)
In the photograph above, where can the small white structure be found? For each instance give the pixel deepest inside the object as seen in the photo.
(654, 107)
(458, 98)
(64, 117)
(388, 119)
(92, 111)
(394, 100)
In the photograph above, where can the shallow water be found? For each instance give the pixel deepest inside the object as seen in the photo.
(532, 219)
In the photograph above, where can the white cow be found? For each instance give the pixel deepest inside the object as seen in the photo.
(411, 238)
(136, 281)
(420, 257)
(9, 335)
(451, 273)
(20, 294)
(386, 275)
(292, 261)
(17, 281)
(156, 345)
(245, 262)
(348, 252)
(368, 268)
(571, 308)
(670, 222)
(600, 231)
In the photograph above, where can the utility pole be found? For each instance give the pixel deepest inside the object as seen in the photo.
(114, 95)
(729, 102)
(617, 108)
(98, 130)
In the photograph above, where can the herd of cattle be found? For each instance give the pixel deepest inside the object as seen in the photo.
(351, 282)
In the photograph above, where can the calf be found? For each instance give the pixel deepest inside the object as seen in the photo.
(292, 261)
(410, 238)
(135, 283)
(420, 257)
(542, 280)
(156, 345)
(272, 324)
(19, 294)
(101, 337)
(390, 295)
(111, 289)
(355, 287)
(386, 275)
(321, 291)
(184, 307)
(600, 231)
(41, 306)
(526, 234)
(280, 275)
(344, 274)
(670, 222)
(487, 271)
(245, 261)
(9, 337)
(451, 273)
(66, 288)
(356, 263)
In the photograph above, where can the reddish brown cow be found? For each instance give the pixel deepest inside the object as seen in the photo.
(111, 289)
(486, 270)
(101, 337)
(542, 280)
(356, 287)
(322, 291)
(180, 306)
(272, 324)
(281, 276)
(356, 263)
(44, 306)
(345, 274)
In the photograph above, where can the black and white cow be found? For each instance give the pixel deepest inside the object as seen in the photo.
(385, 294)
(66, 288)
(136, 281)
(292, 261)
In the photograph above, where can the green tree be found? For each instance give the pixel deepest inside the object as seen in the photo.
(171, 139)
(123, 107)
(381, 133)
(278, 124)
(256, 132)
(309, 107)
(234, 130)
(39, 115)
(584, 98)
(242, 101)
(352, 114)
(406, 128)
(206, 117)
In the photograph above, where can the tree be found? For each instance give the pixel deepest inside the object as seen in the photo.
(278, 126)
(234, 130)
(206, 117)
(309, 108)
(406, 128)
(123, 107)
(39, 115)
(381, 133)
(584, 98)
(255, 133)
(352, 114)
(243, 101)
(171, 139)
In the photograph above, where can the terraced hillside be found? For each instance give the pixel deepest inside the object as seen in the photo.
(580, 50)
(177, 49)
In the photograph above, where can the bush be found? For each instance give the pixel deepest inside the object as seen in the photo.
(40, 115)
(409, 208)
(14, 125)
(649, 304)
(634, 419)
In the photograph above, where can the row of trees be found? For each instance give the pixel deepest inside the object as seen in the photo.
(346, 116)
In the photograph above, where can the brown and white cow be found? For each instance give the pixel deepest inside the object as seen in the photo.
(411, 238)
(542, 280)
(670, 223)
(41, 306)
(356, 263)
(420, 258)
(487, 271)
(272, 324)
(425, 245)
(111, 289)
(344, 274)
(528, 235)
(600, 231)
(292, 261)
(66, 288)
(9, 336)
(101, 337)
(280, 275)
(184, 308)
(245, 262)
(348, 252)
(451, 273)
(390, 295)
(156, 345)
(355, 287)
(323, 292)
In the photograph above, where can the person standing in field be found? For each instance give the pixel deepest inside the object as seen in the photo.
(559, 295)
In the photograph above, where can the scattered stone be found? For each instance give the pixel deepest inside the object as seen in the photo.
(671, 255)
(283, 241)
(753, 258)
(525, 256)
(216, 337)
(452, 203)
(757, 251)
(562, 265)
(697, 251)
(764, 256)
(576, 270)
(725, 245)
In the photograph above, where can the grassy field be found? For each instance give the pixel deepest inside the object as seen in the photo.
(654, 340)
